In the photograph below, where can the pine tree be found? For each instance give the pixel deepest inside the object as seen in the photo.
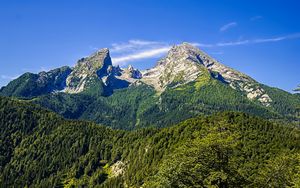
(298, 107)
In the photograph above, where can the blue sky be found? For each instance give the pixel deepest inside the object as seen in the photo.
(259, 38)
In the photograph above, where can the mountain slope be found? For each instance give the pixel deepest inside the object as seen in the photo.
(142, 107)
(32, 85)
(41, 149)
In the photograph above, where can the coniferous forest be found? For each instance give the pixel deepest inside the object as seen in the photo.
(229, 149)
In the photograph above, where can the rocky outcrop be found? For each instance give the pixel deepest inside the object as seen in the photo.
(180, 65)
(98, 68)
(236, 79)
(55, 79)
(118, 169)
(93, 68)
(130, 74)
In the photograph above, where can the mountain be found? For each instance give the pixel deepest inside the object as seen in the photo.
(186, 63)
(185, 83)
(41, 149)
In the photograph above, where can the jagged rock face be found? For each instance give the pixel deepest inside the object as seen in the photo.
(181, 63)
(98, 66)
(129, 74)
(236, 79)
(186, 62)
(134, 73)
(56, 78)
(98, 70)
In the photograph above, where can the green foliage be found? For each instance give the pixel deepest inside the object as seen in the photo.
(41, 149)
(284, 103)
(69, 106)
(21, 87)
(204, 162)
(140, 106)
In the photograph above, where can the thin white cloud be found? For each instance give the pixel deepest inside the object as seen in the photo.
(133, 45)
(254, 18)
(269, 40)
(233, 43)
(201, 45)
(137, 49)
(228, 26)
(122, 60)
(276, 39)
(250, 41)
(6, 77)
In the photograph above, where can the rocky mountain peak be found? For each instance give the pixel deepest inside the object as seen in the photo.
(130, 68)
(95, 61)
(185, 48)
(134, 73)
(89, 69)
(182, 52)
(130, 74)
(179, 66)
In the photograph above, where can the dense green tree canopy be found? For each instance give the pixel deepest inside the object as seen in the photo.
(40, 148)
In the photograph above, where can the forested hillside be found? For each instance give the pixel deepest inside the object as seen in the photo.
(40, 148)
(140, 106)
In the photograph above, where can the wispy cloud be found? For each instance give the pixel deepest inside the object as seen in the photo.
(137, 49)
(276, 39)
(123, 60)
(254, 18)
(233, 43)
(6, 77)
(133, 45)
(250, 41)
(228, 26)
(202, 45)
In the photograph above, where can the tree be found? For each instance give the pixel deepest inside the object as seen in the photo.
(203, 162)
(282, 171)
(298, 107)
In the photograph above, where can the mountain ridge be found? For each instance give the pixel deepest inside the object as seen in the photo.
(183, 84)
(183, 63)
